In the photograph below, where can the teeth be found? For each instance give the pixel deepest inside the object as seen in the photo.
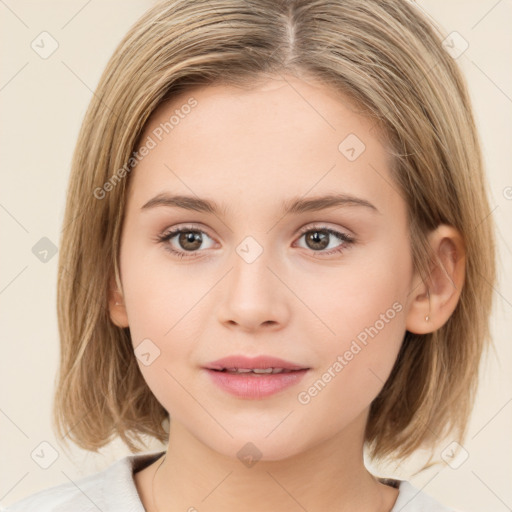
(256, 370)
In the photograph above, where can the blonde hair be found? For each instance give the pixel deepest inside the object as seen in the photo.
(389, 60)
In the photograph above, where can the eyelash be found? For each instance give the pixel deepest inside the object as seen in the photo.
(168, 235)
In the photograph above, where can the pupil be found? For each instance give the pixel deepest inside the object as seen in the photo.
(319, 239)
(189, 238)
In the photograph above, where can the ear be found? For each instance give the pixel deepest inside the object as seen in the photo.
(434, 300)
(117, 309)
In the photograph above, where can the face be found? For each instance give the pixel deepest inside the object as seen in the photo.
(323, 285)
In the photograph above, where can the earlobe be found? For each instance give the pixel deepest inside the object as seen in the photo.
(117, 309)
(435, 299)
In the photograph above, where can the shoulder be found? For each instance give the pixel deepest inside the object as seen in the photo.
(48, 500)
(412, 499)
(108, 490)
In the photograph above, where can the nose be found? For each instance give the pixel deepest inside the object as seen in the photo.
(253, 296)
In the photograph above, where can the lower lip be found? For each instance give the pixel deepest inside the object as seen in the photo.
(255, 386)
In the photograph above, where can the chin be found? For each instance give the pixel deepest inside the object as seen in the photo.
(257, 447)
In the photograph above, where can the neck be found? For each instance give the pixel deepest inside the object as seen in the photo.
(327, 477)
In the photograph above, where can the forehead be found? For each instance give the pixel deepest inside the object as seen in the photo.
(284, 136)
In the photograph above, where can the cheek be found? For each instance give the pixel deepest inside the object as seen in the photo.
(364, 309)
(163, 309)
(355, 364)
(156, 296)
(363, 293)
(165, 357)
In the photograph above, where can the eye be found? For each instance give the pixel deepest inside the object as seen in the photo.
(188, 240)
(318, 238)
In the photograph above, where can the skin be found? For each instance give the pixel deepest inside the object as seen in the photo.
(249, 150)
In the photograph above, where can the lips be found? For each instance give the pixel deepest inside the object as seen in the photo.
(239, 362)
(254, 378)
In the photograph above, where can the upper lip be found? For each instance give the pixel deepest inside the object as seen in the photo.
(263, 362)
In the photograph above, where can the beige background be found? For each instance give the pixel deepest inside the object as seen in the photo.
(42, 104)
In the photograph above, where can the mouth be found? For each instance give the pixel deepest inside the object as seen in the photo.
(257, 371)
(255, 378)
(257, 365)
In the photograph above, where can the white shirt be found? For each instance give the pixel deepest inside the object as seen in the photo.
(114, 490)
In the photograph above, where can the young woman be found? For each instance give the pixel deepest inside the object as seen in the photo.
(275, 239)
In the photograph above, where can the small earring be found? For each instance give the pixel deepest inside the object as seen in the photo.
(118, 303)
(427, 318)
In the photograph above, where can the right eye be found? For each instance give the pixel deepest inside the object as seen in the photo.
(188, 240)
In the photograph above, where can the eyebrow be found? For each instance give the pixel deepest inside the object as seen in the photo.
(293, 206)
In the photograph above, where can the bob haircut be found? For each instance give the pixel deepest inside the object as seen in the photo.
(389, 61)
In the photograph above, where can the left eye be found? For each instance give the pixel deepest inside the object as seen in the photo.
(319, 238)
(190, 240)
